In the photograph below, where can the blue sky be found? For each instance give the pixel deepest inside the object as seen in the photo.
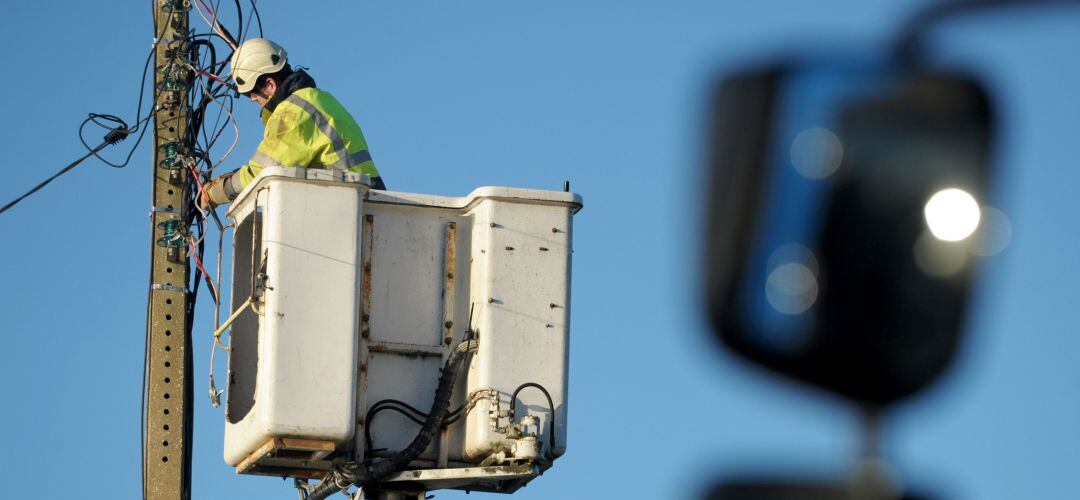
(611, 96)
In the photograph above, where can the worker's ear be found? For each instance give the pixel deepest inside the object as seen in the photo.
(269, 88)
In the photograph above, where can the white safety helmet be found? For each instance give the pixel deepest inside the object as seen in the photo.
(254, 58)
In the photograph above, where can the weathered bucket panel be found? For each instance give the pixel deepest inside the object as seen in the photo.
(364, 294)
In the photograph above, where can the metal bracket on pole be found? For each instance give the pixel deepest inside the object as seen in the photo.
(170, 288)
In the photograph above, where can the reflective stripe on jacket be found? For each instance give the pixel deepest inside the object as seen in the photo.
(310, 128)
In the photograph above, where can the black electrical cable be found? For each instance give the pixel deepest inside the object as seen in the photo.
(239, 21)
(94, 118)
(189, 367)
(252, 15)
(258, 19)
(146, 364)
(138, 112)
(225, 33)
(115, 135)
(217, 131)
(199, 42)
(209, 34)
(192, 296)
(196, 123)
(195, 118)
(198, 220)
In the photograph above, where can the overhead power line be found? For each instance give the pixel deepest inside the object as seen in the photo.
(115, 135)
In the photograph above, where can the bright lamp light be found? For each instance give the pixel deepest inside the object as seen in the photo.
(952, 214)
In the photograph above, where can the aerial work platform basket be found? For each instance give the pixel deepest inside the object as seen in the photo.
(357, 298)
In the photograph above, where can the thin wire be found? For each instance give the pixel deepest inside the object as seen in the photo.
(93, 119)
(218, 125)
(216, 25)
(208, 93)
(239, 19)
(232, 119)
(54, 176)
(138, 107)
(253, 13)
(258, 18)
(217, 120)
(115, 135)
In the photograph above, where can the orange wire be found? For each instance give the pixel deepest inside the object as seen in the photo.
(215, 77)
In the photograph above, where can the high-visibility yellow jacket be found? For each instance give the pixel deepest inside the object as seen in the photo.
(310, 128)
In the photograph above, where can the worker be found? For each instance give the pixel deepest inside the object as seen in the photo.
(304, 126)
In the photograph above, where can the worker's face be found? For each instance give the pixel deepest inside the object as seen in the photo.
(261, 95)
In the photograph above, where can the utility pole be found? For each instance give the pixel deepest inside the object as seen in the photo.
(168, 411)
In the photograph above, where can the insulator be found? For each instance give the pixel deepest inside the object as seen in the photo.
(173, 236)
(168, 83)
(175, 5)
(171, 157)
(173, 77)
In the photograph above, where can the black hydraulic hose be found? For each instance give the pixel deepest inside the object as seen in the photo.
(367, 428)
(404, 409)
(551, 406)
(364, 474)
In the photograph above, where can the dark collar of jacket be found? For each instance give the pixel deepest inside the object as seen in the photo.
(299, 79)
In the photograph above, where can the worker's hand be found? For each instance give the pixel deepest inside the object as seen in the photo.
(213, 193)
